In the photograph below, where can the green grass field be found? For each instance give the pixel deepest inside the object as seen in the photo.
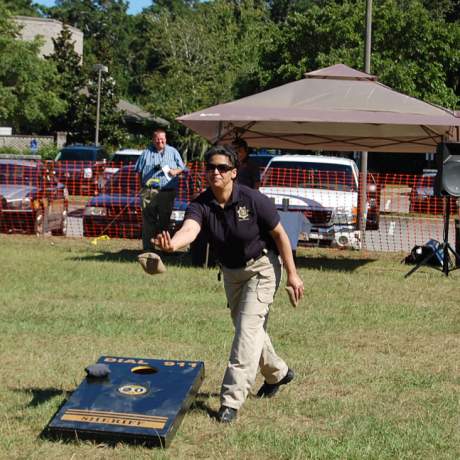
(376, 356)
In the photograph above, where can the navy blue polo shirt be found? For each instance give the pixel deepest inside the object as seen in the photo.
(239, 231)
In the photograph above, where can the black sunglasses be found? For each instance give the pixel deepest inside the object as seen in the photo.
(222, 168)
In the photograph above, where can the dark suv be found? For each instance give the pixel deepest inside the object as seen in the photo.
(81, 168)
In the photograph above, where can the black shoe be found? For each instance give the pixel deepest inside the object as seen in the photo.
(268, 390)
(226, 414)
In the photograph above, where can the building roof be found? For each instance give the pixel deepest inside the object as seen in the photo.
(136, 114)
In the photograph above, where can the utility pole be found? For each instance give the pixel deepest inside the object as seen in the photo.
(367, 69)
(99, 68)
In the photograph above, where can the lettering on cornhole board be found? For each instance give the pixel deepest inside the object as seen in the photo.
(140, 401)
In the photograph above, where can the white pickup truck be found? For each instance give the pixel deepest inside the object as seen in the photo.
(324, 189)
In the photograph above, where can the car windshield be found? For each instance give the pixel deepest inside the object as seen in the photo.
(12, 173)
(125, 159)
(331, 176)
(80, 154)
(124, 182)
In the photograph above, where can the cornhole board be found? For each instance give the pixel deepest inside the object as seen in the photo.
(141, 401)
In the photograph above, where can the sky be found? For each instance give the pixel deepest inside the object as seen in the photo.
(135, 6)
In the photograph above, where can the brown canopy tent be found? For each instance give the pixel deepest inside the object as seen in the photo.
(336, 108)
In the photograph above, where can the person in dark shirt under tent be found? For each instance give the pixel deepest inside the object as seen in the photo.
(248, 170)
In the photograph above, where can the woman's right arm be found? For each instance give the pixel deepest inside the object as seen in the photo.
(186, 235)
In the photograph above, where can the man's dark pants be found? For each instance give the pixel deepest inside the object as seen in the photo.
(156, 213)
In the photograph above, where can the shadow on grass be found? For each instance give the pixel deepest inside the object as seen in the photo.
(332, 264)
(200, 404)
(183, 259)
(42, 395)
(177, 259)
(125, 255)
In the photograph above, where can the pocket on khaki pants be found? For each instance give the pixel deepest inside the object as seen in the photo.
(266, 287)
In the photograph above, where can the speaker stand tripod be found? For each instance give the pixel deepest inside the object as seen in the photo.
(444, 248)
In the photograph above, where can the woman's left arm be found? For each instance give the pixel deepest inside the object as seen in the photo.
(281, 239)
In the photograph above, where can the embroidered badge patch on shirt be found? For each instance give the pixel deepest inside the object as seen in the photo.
(242, 213)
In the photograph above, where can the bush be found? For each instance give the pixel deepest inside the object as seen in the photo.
(10, 150)
(48, 151)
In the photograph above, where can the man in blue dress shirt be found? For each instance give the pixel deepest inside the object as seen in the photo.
(159, 167)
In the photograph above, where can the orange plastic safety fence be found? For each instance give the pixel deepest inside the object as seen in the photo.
(115, 209)
(31, 198)
(410, 213)
(93, 199)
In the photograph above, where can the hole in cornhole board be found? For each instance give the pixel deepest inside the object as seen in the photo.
(144, 370)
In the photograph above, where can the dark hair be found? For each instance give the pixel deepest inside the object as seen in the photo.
(222, 150)
(238, 142)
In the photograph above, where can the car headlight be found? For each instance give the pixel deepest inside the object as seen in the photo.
(372, 188)
(87, 173)
(95, 211)
(345, 215)
(178, 216)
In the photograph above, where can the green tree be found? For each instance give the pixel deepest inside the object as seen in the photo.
(111, 129)
(21, 7)
(202, 56)
(106, 27)
(447, 9)
(71, 79)
(413, 50)
(28, 99)
(146, 57)
(108, 33)
(175, 7)
(417, 53)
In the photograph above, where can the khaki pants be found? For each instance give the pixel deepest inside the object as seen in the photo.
(156, 213)
(250, 293)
